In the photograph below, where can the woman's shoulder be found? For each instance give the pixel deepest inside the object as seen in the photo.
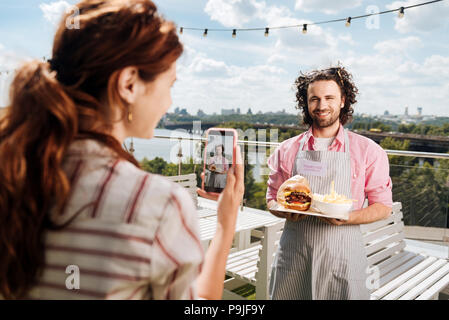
(157, 194)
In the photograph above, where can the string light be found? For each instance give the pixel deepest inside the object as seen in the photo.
(304, 28)
(348, 22)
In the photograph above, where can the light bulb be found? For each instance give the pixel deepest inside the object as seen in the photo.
(348, 22)
(234, 33)
(205, 33)
(401, 12)
(304, 28)
(266, 32)
(181, 30)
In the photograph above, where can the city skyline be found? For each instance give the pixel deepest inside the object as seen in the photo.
(395, 62)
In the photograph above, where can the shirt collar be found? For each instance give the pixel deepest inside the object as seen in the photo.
(339, 138)
(89, 147)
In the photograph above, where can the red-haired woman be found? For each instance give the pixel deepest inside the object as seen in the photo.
(71, 199)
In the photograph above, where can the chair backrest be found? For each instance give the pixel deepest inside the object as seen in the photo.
(270, 242)
(384, 238)
(189, 182)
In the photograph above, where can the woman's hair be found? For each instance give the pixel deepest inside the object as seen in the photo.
(52, 104)
(344, 81)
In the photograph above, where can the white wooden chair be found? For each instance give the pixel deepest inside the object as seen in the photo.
(189, 182)
(395, 273)
(253, 265)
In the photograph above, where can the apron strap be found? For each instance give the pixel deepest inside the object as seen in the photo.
(301, 143)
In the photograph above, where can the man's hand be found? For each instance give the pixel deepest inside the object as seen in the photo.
(372, 213)
(287, 215)
(339, 222)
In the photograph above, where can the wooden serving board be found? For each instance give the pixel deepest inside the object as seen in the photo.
(311, 212)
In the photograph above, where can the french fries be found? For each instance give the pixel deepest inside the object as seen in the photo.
(333, 197)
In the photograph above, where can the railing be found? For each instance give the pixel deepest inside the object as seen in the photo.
(420, 180)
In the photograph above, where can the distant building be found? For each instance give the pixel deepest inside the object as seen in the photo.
(386, 113)
(200, 113)
(238, 110)
(406, 111)
(226, 112)
(249, 111)
(419, 111)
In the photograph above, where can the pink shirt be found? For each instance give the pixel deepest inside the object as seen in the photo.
(369, 166)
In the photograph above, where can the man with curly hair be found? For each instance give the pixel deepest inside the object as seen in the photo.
(324, 258)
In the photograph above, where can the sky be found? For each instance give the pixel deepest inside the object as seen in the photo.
(395, 63)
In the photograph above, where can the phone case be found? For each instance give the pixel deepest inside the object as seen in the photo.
(234, 145)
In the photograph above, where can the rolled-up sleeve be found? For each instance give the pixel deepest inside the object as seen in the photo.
(276, 176)
(378, 185)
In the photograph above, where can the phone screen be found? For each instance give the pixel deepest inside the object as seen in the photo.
(218, 159)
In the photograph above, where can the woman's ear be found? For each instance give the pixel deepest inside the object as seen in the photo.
(128, 83)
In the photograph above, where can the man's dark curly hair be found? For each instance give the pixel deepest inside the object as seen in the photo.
(343, 79)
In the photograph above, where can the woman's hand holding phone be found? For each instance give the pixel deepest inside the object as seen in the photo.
(229, 200)
(210, 280)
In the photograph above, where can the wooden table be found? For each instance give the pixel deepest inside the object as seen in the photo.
(247, 219)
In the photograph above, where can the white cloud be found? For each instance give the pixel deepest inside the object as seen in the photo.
(398, 46)
(390, 77)
(9, 61)
(326, 6)
(316, 46)
(423, 18)
(232, 13)
(53, 11)
(205, 82)
(388, 81)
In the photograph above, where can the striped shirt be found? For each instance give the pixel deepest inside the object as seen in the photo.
(134, 235)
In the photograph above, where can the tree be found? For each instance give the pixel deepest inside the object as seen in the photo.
(397, 163)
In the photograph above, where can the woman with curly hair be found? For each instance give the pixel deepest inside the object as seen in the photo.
(72, 200)
(324, 258)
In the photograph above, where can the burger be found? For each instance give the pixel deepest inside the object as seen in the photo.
(295, 194)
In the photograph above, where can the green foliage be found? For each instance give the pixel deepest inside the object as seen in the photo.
(424, 193)
(397, 163)
(422, 190)
(425, 129)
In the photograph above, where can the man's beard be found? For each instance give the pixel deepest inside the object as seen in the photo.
(324, 123)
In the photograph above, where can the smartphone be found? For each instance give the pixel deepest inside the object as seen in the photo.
(219, 157)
